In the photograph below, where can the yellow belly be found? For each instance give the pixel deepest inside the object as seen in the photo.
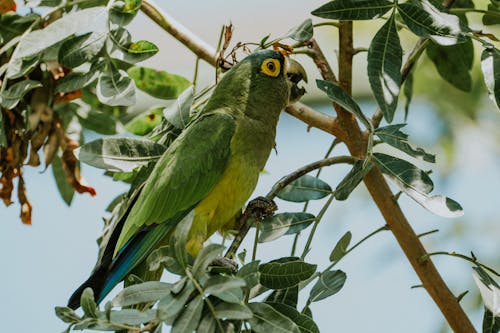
(223, 203)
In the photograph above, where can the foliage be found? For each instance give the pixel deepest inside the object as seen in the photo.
(75, 68)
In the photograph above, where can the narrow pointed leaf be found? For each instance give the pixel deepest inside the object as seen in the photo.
(305, 323)
(288, 296)
(488, 18)
(77, 80)
(159, 84)
(304, 189)
(352, 180)
(232, 311)
(100, 122)
(65, 189)
(490, 64)
(205, 258)
(353, 9)
(179, 239)
(285, 273)
(150, 291)
(427, 21)
(132, 316)
(385, 57)
(88, 304)
(301, 33)
(339, 96)
(226, 288)
(393, 136)
(408, 93)
(453, 63)
(12, 95)
(190, 317)
(172, 304)
(417, 185)
(284, 224)
(178, 114)
(119, 154)
(250, 273)
(207, 325)
(329, 283)
(266, 319)
(340, 248)
(67, 315)
(78, 50)
(491, 323)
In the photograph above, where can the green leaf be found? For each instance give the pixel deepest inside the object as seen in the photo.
(490, 19)
(266, 319)
(144, 123)
(172, 304)
(67, 315)
(393, 136)
(305, 323)
(408, 93)
(385, 57)
(179, 239)
(27, 64)
(353, 9)
(484, 277)
(207, 325)
(179, 113)
(285, 272)
(88, 304)
(427, 21)
(150, 291)
(12, 25)
(115, 88)
(159, 84)
(491, 323)
(339, 96)
(352, 180)
(140, 51)
(302, 32)
(132, 316)
(77, 80)
(490, 64)
(123, 12)
(417, 185)
(190, 317)
(340, 248)
(232, 311)
(250, 273)
(164, 256)
(228, 289)
(100, 122)
(80, 22)
(305, 188)
(329, 283)
(81, 49)
(119, 154)
(65, 189)
(453, 63)
(284, 224)
(289, 296)
(12, 95)
(205, 258)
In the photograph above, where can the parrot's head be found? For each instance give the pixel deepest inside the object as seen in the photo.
(264, 83)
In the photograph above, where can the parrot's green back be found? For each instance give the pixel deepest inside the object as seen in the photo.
(211, 168)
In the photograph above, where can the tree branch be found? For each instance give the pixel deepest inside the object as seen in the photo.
(348, 130)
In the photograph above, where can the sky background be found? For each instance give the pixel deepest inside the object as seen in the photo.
(44, 263)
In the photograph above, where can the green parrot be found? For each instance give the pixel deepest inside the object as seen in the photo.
(209, 172)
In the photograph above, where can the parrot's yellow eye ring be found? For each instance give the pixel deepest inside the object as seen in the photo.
(271, 67)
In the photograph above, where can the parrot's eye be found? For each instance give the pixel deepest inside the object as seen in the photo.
(271, 67)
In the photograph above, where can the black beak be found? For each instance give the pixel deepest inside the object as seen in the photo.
(295, 73)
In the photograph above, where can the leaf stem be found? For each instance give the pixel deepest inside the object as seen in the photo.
(461, 256)
(474, 10)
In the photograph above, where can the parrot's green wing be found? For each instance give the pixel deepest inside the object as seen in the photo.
(184, 175)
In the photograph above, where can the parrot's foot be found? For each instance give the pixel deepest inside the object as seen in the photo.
(262, 207)
(224, 264)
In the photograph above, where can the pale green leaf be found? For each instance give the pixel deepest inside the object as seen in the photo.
(119, 154)
(11, 96)
(305, 188)
(266, 319)
(302, 32)
(150, 291)
(65, 189)
(226, 288)
(232, 311)
(81, 49)
(284, 224)
(77, 80)
(340, 248)
(393, 136)
(329, 283)
(172, 304)
(305, 323)
(190, 317)
(352, 180)
(114, 88)
(132, 316)
(178, 114)
(144, 123)
(490, 64)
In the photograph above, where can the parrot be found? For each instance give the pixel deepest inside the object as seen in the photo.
(208, 172)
